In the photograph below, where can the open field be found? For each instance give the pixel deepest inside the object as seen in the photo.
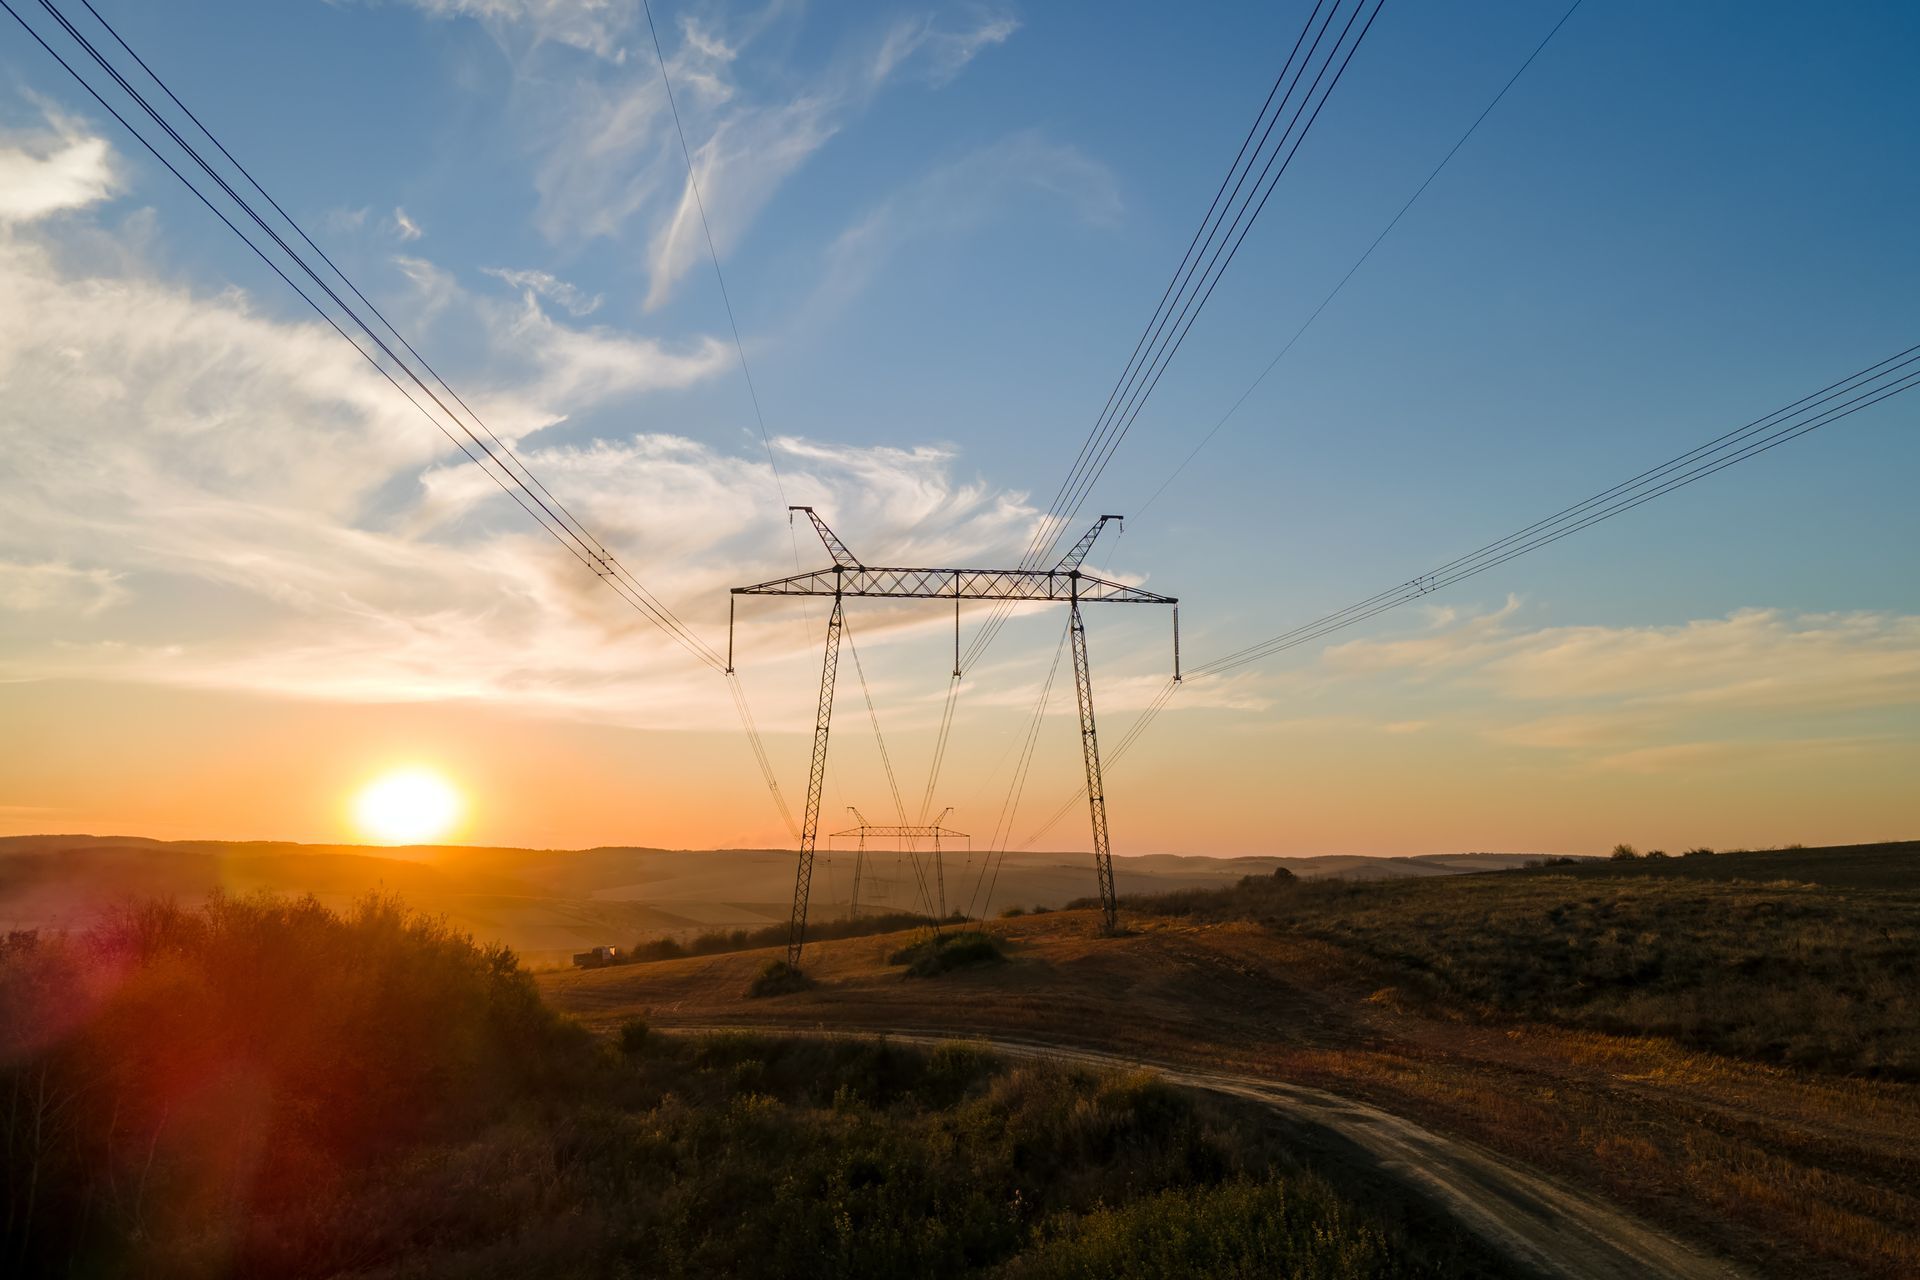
(549, 903)
(1785, 1156)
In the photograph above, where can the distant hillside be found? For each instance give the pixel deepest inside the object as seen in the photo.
(1890, 865)
(547, 903)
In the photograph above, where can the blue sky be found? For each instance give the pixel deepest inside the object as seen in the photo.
(943, 229)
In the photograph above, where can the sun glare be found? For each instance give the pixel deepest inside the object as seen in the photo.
(408, 806)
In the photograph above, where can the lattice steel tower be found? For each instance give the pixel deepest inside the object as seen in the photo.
(1066, 581)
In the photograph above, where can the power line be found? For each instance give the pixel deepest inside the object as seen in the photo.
(886, 761)
(996, 852)
(1361, 261)
(1223, 230)
(494, 457)
(1832, 403)
(713, 254)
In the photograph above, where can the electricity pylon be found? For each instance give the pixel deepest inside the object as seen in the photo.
(1065, 582)
(934, 832)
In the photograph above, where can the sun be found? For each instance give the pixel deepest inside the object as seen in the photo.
(407, 806)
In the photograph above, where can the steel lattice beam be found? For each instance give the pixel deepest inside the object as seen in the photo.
(1065, 582)
(956, 584)
(1096, 787)
(816, 779)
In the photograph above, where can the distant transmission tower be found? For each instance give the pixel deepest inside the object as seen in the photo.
(935, 832)
(1066, 581)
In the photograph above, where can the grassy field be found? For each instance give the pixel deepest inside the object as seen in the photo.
(1723, 1051)
(268, 1088)
(1800, 958)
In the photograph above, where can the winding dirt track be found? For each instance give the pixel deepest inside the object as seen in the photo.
(1536, 1220)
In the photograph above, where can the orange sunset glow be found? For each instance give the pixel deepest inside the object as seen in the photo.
(407, 806)
(968, 639)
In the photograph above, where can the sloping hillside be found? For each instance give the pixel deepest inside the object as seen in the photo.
(548, 903)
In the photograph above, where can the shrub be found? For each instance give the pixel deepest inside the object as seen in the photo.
(777, 978)
(632, 1036)
(1699, 851)
(657, 949)
(942, 953)
(1013, 913)
(247, 1053)
(1622, 852)
(1656, 853)
(1283, 875)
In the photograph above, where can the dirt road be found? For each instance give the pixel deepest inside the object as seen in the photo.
(1581, 1152)
(1537, 1220)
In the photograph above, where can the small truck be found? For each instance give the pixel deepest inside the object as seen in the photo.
(597, 958)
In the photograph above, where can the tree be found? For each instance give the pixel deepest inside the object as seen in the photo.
(1624, 852)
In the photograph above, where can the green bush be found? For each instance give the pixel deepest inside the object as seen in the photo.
(931, 956)
(632, 1036)
(778, 978)
(247, 1053)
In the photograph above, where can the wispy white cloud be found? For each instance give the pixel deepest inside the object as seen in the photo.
(1732, 691)
(941, 54)
(601, 27)
(405, 227)
(745, 159)
(54, 586)
(52, 170)
(962, 194)
(611, 155)
(1730, 757)
(347, 219)
(158, 436)
(569, 298)
(1751, 659)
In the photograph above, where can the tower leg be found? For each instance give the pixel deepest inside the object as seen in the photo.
(816, 779)
(1096, 794)
(940, 886)
(859, 861)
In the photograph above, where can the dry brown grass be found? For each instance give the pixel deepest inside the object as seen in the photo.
(1785, 1169)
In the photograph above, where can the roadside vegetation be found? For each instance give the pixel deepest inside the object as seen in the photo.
(1782, 971)
(720, 941)
(264, 1087)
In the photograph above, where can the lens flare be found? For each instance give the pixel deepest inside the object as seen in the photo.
(407, 807)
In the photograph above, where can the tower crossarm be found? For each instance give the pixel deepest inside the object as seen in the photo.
(1078, 553)
(842, 558)
(900, 833)
(957, 584)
